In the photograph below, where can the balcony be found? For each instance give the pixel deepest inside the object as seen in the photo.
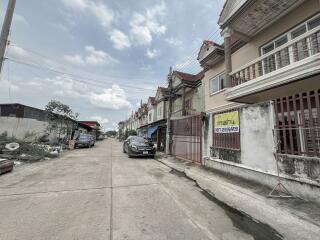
(249, 17)
(292, 61)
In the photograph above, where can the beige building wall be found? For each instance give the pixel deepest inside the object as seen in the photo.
(250, 51)
(215, 100)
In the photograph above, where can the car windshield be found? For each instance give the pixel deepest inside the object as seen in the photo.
(83, 137)
(139, 140)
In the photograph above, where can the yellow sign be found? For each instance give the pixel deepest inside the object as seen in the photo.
(226, 122)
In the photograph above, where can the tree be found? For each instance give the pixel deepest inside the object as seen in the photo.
(111, 133)
(60, 116)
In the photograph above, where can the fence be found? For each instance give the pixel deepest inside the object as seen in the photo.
(187, 138)
(297, 128)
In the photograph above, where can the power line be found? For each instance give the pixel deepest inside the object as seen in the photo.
(78, 78)
(56, 61)
(187, 68)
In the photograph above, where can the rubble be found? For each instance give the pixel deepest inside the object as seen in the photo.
(15, 150)
(12, 146)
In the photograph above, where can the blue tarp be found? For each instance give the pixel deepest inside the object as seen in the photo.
(151, 130)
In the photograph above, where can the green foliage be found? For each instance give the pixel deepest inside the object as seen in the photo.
(111, 133)
(58, 110)
(60, 116)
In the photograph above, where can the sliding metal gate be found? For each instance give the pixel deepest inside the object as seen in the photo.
(187, 138)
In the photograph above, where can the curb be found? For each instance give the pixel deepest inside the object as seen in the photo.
(277, 218)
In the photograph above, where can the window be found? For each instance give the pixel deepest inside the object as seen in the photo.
(314, 23)
(160, 111)
(294, 52)
(298, 31)
(217, 83)
(188, 104)
(150, 117)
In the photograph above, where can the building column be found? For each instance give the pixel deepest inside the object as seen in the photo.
(226, 33)
(184, 102)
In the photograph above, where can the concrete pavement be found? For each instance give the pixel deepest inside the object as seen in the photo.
(100, 193)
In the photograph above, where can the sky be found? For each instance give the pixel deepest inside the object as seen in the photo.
(101, 57)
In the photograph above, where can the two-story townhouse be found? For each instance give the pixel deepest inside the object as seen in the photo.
(211, 57)
(187, 105)
(143, 120)
(151, 110)
(272, 76)
(157, 129)
(187, 94)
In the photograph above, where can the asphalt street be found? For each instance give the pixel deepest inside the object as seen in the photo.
(100, 193)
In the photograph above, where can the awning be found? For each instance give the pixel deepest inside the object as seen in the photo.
(151, 130)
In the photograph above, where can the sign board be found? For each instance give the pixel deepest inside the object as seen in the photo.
(226, 122)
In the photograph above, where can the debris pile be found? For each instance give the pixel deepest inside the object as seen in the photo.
(15, 150)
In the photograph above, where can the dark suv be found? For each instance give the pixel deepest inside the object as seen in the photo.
(136, 146)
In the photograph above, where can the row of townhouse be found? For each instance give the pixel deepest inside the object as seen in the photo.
(254, 110)
(150, 120)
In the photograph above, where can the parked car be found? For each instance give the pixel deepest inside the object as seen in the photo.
(85, 140)
(138, 146)
(101, 137)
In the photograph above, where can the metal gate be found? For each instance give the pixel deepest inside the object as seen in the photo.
(187, 138)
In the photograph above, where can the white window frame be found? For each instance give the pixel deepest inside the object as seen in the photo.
(220, 88)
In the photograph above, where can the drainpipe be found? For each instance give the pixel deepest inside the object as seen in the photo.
(226, 33)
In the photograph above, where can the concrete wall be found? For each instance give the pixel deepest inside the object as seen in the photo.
(26, 128)
(22, 128)
(152, 111)
(251, 50)
(299, 173)
(257, 145)
(160, 115)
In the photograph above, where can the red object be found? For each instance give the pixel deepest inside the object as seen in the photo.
(90, 123)
(6, 166)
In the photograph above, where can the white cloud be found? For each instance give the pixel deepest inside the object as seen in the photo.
(107, 98)
(8, 87)
(16, 52)
(111, 98)
(75, 59)
(143, 26)
(152, 53)
(76, 4)
(119, 39)
(20, 19)
(174, 42)
(100, 119)
(91, 57)
(102, 12)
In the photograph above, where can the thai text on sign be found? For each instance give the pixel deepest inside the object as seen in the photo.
(226, 122)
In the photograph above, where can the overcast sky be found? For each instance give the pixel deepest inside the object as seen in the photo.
(101, 57)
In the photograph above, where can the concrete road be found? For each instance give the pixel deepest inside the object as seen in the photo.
(100, 193)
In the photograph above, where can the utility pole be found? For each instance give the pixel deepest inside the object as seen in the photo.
(5, 30)
(169, 134)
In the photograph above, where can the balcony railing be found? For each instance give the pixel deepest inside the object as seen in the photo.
(189, 112)
(294, 51)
